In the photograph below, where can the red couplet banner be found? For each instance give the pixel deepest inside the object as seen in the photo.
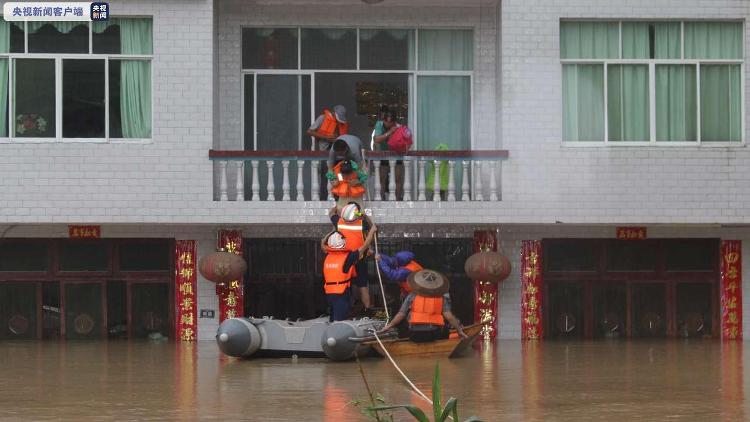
(485, 292)
(231, 295)
(186, 279)
(731, 289)
(531, 289)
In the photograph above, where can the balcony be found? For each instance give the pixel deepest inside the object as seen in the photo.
(296, 175)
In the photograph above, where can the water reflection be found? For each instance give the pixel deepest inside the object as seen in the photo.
(616, 380)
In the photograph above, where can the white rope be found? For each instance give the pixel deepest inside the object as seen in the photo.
(377, 267)
(395, 365)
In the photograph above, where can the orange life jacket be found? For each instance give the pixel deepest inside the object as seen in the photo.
(427, 310)
(412, 266)
(330, 125)
(335, 279)
(345, 188)
(352, 232)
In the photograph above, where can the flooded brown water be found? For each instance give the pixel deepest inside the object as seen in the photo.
(615, 381)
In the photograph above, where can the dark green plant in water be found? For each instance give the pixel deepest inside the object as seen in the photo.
(440, 413)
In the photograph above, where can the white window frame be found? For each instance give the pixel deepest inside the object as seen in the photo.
(652, 63)
(59, 58)
(413, 75)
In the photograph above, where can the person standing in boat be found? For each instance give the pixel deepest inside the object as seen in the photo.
(355, 226)
(339, 270)
(427, 308)
(398, 267)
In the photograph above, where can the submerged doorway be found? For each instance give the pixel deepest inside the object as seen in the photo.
(86, 289)
(605, 288)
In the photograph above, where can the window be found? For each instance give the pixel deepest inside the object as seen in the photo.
(423, 75)
(652, 82)
(76, 80)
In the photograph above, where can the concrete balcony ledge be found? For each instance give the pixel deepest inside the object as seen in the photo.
(280, 176)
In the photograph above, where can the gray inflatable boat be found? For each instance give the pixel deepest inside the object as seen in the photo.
(268, 337)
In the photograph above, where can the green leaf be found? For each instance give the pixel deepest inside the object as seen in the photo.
(436, 407)
(451, 408)
(414, 410)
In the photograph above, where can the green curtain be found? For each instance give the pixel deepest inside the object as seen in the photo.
(721, 118)
(713, 40)
(62, 27)
(676, 102)
(589, 40)
(628, 103)
(443, 110)
(583, 102)
(646, 40)
(446, 49)
(135, 77)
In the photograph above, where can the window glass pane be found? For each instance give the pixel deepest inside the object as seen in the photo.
(721, 103)
(16, 37)
(571, 256)
(58, 37)
(691, 254)
(588, 40)
(628, 103)
(610, 310)
(713, 40)
(386, 49)
(51, 310)
(631, 256)
(694, 316)
(130, 99)
(649, 310)
(145, 256)
(83, 311)
(565, 310)
(23, 256)
(4, 99)
(447, 255)
(83, 98)
(150, 303)
(329, 48)
(117, 309)
(249, 116)
(280, 118)
(34, 98)
(18, 310)
(269, 48)
(649, 40)
(89, 255)
(123, 36)
(676, 103)
(583, 102)
(446, 49)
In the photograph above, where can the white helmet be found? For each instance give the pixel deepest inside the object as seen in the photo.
(336, 241)
(350, 212)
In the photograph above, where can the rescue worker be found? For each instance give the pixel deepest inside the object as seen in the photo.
(338, 271)
(427, 310)
(325, 129)
(345, 170)
(398, 268)
(355, 227)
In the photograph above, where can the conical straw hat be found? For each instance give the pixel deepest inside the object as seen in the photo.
(428, 283)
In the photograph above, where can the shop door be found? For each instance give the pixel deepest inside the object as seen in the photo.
(84, 310)
(18, 311)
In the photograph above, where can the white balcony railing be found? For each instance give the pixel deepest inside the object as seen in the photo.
(298, 175)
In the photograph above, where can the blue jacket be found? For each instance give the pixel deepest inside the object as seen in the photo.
(393, 267)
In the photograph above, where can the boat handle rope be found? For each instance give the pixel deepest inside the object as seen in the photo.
(419, 392)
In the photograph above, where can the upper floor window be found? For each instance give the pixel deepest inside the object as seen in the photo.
(76, 80)
(290, 75)
(658, 82)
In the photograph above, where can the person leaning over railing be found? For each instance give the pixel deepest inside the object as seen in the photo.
(390, 125)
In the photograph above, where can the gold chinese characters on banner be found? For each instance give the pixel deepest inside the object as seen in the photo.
(531, 289)
(185, 290)
(485, 292)
(231, 295)
(731, 289)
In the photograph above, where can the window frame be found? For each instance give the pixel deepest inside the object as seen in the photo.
(59, 58)
(413, 75)
(652, 63)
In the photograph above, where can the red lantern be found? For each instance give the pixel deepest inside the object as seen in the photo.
(487, 266)
(222, 267)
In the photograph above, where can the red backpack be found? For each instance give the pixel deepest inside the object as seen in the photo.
(400, 141)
